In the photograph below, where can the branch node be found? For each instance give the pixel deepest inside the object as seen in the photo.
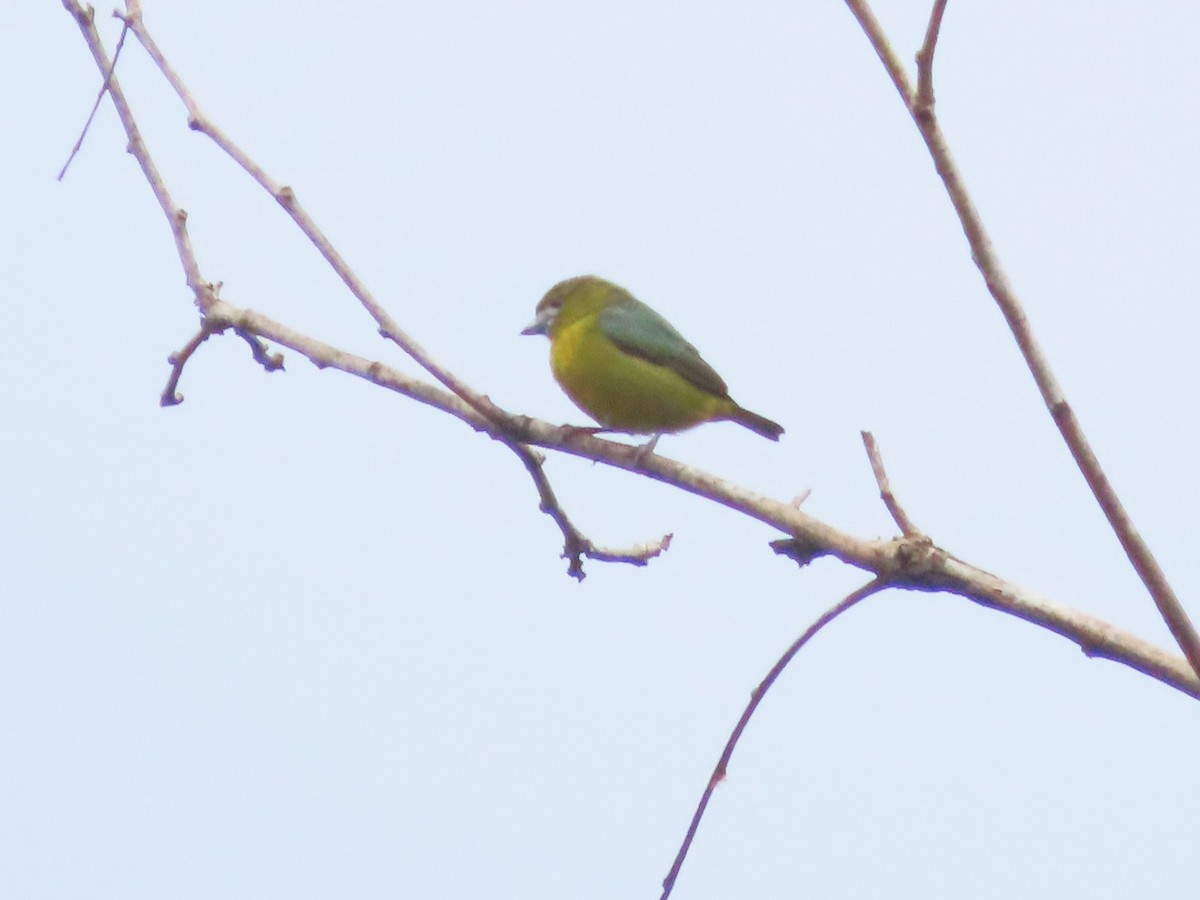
(919, 563)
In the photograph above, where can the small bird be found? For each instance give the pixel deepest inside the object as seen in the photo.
(625, 365)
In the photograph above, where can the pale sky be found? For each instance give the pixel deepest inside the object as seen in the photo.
(299, 637)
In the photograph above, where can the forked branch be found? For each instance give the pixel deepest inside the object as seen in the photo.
(920, 104)
(214, 312)
(911, 560)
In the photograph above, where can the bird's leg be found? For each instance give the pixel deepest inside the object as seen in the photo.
(644, 451)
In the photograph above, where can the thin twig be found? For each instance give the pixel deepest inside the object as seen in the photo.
(861, 10)
(271, 362)
(170, 394)
(201, 289)
(899, 516)
(722, 767)
(924, 99)
(62, 173)
(576, 545)
(988, 263)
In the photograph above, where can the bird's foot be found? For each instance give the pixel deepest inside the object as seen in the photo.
(646, 450)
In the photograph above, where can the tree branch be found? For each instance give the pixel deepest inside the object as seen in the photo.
(84, 18)
(899, 516)
(286, 197)
(62, 173)
(722, 767)
(912, 561)
(921, 108)
(924, 98)
(170, 394)
(271, 362)
(576, 545)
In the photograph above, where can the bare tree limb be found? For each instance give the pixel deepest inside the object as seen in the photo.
(899, 516)
(924, 98)
(861, 10)
(920, 106)
(203, 292)
(577, 545)
(62, 173)
(272, 362)
(911, 561)
(722, 767)
(286, 197)
(170, 394)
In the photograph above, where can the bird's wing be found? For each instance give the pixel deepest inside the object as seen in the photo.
(641, 332)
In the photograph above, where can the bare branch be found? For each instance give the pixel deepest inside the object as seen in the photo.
(170, 394)
(62, 173)
(988, 262)
(272, 362)
(286, 197)
(576, 545)
(722, 767)
(899, 516)
(924, 99)
(861, 10)
(202, 291)
(913, 561)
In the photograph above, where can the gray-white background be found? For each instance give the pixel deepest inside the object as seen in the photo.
(302, 638)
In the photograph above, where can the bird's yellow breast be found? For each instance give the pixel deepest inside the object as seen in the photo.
(625, 392)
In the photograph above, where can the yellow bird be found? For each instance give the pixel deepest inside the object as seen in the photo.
(626, 367)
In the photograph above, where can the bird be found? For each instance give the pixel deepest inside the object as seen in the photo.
(628, 368)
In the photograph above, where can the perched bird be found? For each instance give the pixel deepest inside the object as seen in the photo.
(626, 367)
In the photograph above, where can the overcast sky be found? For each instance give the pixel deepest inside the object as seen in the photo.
(299, 637)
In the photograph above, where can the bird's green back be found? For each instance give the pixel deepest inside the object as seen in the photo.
(641, 332)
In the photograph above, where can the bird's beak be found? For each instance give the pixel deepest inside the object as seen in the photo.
(540, 325)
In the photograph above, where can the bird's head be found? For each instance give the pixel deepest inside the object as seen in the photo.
(569, 301)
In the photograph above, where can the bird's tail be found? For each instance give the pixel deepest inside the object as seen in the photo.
(756, 423)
